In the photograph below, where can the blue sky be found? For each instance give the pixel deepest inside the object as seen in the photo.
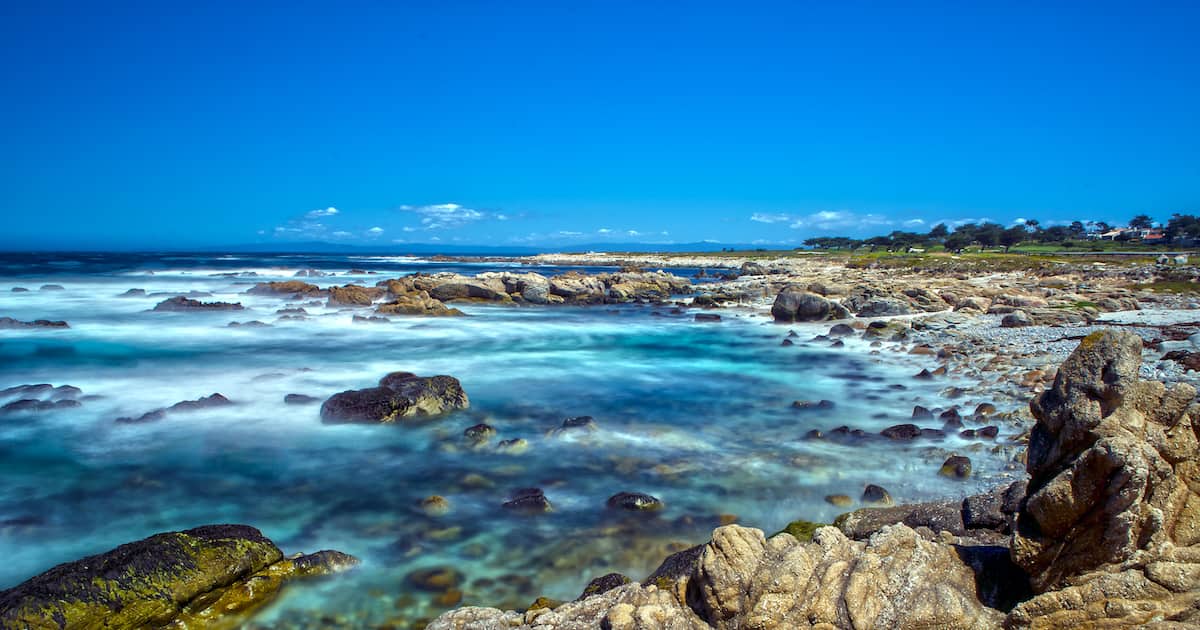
(543, 123)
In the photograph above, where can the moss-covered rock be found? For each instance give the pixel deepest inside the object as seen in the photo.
(801, 530)
(210, 576)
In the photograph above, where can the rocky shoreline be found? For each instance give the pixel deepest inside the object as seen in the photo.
(1105, 534)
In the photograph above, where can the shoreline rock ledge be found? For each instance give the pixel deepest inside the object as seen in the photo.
(213, 576)
(1107, 533)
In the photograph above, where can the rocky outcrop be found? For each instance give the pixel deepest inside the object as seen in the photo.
(353, 295)
(1110, 528)
(210, 576)
(399, 395)
(532, 288)
(418, 303)
(794, 304)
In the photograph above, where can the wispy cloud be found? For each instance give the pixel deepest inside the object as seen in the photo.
(770, 218)
(444, 215)
(912, 223)
(321, 212)
(839, 220)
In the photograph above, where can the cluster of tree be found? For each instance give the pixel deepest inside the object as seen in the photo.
(993, 235)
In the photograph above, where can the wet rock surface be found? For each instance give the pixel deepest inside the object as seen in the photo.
(184, 304)
(203, 577)
(399, 395)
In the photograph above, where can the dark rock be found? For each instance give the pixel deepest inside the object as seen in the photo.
(288, 288)
(579, 423)
(634, 502)
(29, 404)
(675, 567)
(180, 303)
(603, 584)
(923, 375)
(986, 511)
(207, 402)
(707, 317)
(52, 287)
(956, 467)
(813, 405)
(399, 395)
(134, 293)
(787, 342)
(250, 324)
(876, 494)
(938, 516)
(8, 322)
(479, 433)
(528, 500)
(841, 330)
(300, 399)
(20, 290)
(1016, 319)
(989, 431)
(920, 413)
(901, 432)
(434, 579)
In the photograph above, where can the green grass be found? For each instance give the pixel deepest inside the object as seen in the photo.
(1169, 286)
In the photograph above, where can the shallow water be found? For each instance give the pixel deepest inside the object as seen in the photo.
(697, 414)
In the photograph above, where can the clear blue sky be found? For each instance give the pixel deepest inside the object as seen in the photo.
(204, 123)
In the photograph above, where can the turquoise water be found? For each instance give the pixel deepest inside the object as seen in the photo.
(696, 414)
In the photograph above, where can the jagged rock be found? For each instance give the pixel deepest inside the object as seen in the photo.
(8, 322)
(202, 577)
(633, 502)
(1110, 528)
(399, 395)
(464, 288)
(418, 303)
(1016, 319)
(181, 303)
(938, 516)
(794, 304)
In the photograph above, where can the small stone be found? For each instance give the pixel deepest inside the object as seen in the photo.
(634, 502)
(515, 446)
(876, 495)
(434, 579)
(956, 467)
(901, 432)
(479, 433)
(528, 500)
(435, 505)
(808, 405)
(840, 500)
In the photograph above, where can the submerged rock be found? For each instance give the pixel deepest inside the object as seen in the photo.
(399, 395)
(300, 399)
(10, 323)
(528, 500)
(215, 574)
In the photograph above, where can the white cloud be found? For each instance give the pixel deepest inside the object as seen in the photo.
(326, 212)
(957, 222)
(342, 234)
(604, 231)
(569, 233)
(1019, 221)
(501, 217)
(409, 228)
(444, 215)
(375, 230)
(664, 233)
(633, 232)
(839, 220)
(914, 223)
(770, 218)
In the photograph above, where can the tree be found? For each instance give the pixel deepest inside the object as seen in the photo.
(956, 242)
(1013, 236)
(988, 234)
(1077, 230)
(1103, 227)
(938, 232)
(1141, 222)
(1183, 226)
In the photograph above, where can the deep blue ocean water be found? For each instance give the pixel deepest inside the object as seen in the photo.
(696, 414)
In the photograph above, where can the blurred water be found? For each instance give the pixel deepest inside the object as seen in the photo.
(697, 414)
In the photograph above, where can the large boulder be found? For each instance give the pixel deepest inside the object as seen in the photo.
(297, 288)
(418, 303)
(465, 288)
(354, 295)
(209, 576)
(399, 395)
(1109, 531)
(794, 304)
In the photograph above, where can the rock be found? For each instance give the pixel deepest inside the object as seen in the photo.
(633, 502)
(956, 467)
(972, 303)
(883, 307)
(399, 395)
(841, 330)
(840, 500)
(215, 574)
(300, 399)
(585, 424)
(180, 303)
(353, 295)
(52, 287)
(435, 505)
(1016, 319)
(465, 288)
(20, 290)
(479, 433)
(10, 323)
(796, 305)
(876, 494)
(206, 402)
(813, 405)
(709, 317)
(603, 584)
(938, 516)
(515, 446)
(417, 304)
(529, 500)
(921, 413)
(249, 324)
(434, 579)
(1113, 464)
(133, 293)
(750, 268)
(30, 404)
(901, 432)
(295, 288)
(984, 410)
